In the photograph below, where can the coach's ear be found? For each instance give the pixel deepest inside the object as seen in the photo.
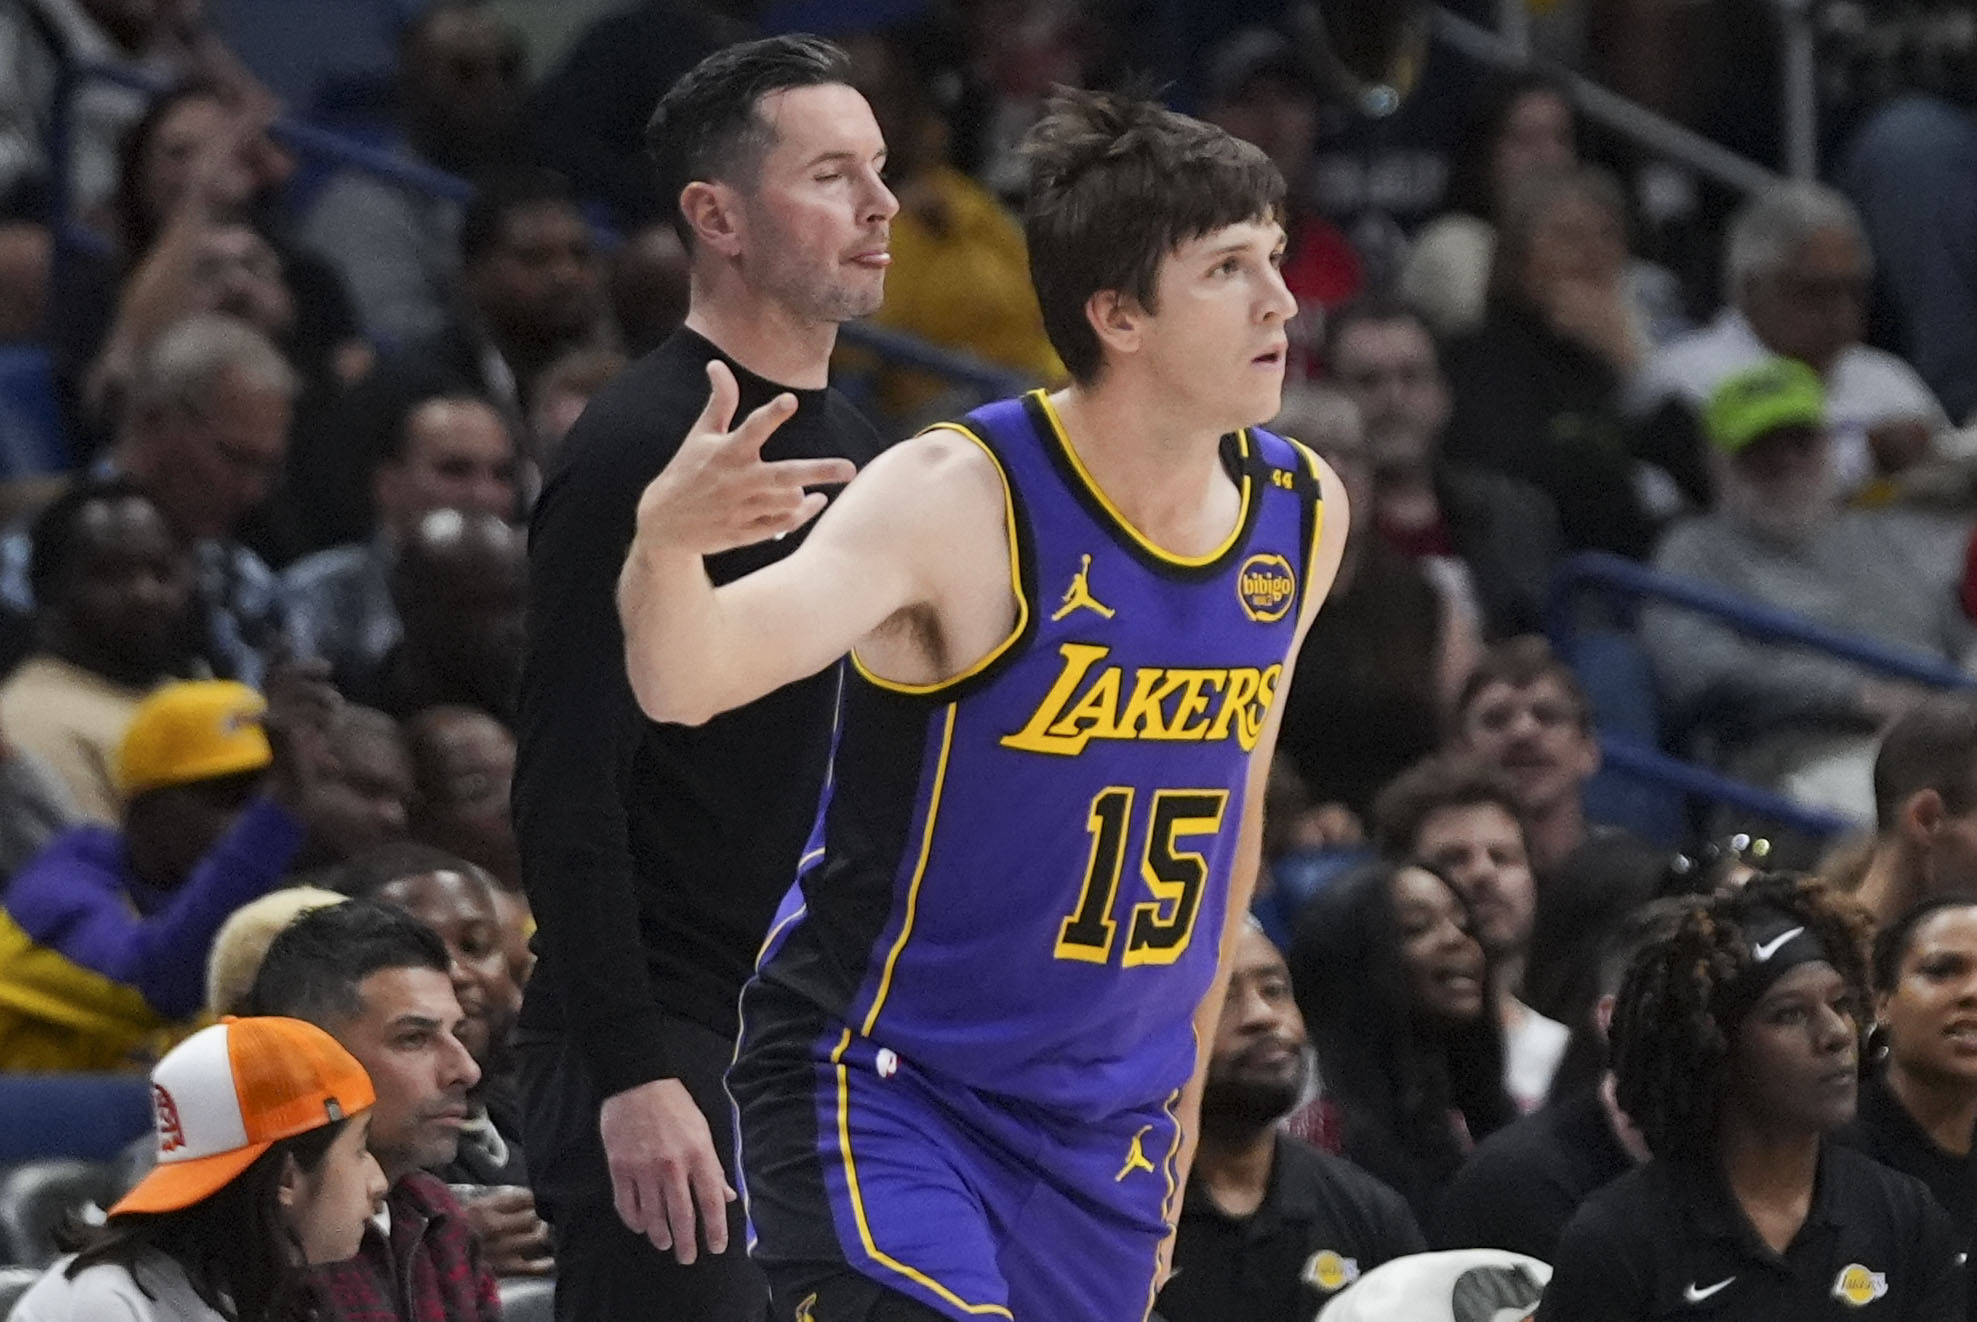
(713, 213)
(1117, 320)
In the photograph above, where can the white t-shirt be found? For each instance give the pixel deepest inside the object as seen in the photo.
(1532, 1047)
(106, 1293)
(1866, 387)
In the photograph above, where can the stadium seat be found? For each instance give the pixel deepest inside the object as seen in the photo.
(38, 1196)
(1294, 879)
(31, 439)
(1613, 668)
(527, 1299)
(92, 1116)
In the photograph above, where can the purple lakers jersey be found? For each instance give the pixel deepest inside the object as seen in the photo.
(1018, 877)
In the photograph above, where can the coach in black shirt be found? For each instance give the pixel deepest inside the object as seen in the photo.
(1735, 1047)
(654, 856)
(1270, 1228)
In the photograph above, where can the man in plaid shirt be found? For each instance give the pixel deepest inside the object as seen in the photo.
(377, 980)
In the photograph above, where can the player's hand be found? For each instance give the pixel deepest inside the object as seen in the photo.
(514, 1241)
(664, 1174)
(718, 492)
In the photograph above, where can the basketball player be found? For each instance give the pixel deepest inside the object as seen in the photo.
(965, 1059)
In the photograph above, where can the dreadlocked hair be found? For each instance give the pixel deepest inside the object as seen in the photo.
(1670, 1052)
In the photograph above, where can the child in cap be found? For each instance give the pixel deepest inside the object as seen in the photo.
(263, 1171)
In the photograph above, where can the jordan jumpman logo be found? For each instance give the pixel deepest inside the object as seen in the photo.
(1136, 1157)
(1078, 596)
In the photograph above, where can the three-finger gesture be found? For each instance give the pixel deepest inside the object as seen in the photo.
(718, 492)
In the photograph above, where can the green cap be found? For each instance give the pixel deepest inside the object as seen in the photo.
(1780, 393)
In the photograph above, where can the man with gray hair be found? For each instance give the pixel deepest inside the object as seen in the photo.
(1796, 271)
(203, 434)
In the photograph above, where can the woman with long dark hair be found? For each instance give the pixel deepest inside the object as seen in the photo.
(1735, 1052)
(1918, 1101)
(263, 1171)
(1397, 995)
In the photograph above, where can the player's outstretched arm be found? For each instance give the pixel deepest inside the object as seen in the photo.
(693, 650)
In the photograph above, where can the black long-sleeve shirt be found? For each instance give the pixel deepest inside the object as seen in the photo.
(654, 855)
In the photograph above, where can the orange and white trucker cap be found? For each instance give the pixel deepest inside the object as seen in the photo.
(230, 1092)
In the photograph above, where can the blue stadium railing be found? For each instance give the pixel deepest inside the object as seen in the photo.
(1613, 576)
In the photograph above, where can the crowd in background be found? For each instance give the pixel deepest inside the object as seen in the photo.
(261, 646)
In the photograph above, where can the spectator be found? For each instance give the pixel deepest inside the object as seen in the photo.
(463, 763)
(648, 288)
(113, 594)
(1490, 538)
(460, 585)
(531, 296)
(533, 288)
(365, 800)
(1524, 126)
(453, 452)
(377, 981)
(1537, 386)
(35, 807)
(1802, 722)
(1404, 1016)
(960, 275)
(1258, 90)
(203, 438)
(1908, 169)
(1918, 1099)
(1796, 268)
(38, 36)
(1522, 711)
(462, 76)
(456, 900)
(561, 394)
(104, 938)
(1461, 818)
(1383, 661)
(1270, 1228)
(262, 1171)
(1925, 810)
(1736, 1042)
(242, 943)
(1395, 95)
(199, 226)
(1521, 1186)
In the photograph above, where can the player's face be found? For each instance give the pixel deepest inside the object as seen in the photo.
(1219, 338)
(816, 219)
(1931, 1015)
(1795, 1057)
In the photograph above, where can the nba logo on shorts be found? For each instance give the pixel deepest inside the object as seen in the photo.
(886, 1063)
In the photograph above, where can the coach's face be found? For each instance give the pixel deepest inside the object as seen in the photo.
(814, 224)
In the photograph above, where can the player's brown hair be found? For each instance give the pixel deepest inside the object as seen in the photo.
(1117, 183)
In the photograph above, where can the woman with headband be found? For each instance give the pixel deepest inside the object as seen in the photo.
(1736, 1052)
(263, 1171)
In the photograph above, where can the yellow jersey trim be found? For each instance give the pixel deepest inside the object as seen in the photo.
(1152, 548)
(919, 872)
(1317, 511)
(877, 1254)
(1016, 631)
